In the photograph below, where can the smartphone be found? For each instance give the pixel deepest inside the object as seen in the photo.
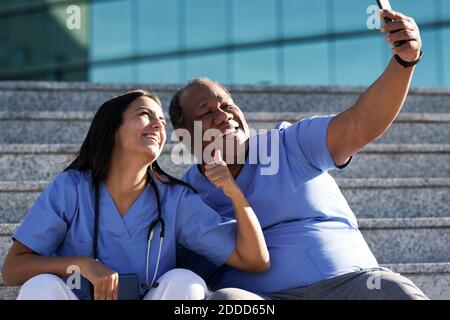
(384, 4)
(129, 287)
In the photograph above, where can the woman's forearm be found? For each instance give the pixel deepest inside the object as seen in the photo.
(250, 243)
(19, 268)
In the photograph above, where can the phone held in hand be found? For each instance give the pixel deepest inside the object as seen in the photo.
(385, 5)
(129, 287)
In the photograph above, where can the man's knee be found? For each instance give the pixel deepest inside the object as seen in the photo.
(42, 287)
(388, 285)
(234, 294)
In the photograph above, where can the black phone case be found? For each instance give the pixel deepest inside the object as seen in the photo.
(129, 287)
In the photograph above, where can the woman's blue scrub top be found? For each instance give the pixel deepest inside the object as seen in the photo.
(61, 223)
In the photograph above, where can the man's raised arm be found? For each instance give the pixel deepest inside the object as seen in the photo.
(379, 105)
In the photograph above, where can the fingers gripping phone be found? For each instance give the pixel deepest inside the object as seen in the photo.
(384, 4)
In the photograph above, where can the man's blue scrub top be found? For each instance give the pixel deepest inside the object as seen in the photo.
(310, 230)
(61, 223)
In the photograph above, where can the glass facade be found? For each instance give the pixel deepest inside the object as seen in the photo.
(292, 42)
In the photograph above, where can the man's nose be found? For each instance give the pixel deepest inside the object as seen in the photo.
(222, 116)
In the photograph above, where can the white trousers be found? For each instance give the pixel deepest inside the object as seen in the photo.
(176, 284)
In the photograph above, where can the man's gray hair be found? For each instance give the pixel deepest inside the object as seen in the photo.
(175, 109)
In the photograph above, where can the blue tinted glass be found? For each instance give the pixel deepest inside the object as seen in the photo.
(205, 23)
(359, 60)
(253, 20)
(111, 32)
(445, 9)
(421, 11)
(211, 66)
(426, 71)
(446, 54)
(117, 73)
(158, 25)
(351, 15)
(66, 45)
(306, 64)
(163, 71)
(255, 66)
(304, 17)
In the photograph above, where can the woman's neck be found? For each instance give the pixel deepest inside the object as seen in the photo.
(125, 181)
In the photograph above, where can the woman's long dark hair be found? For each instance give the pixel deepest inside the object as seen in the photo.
(96, 151)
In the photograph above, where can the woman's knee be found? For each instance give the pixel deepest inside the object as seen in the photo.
(181, 284)
(44, 287)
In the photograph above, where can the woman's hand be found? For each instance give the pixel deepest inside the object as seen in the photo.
(219, 175)
(104, 280)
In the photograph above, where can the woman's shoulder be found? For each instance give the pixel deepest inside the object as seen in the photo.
(70, 179)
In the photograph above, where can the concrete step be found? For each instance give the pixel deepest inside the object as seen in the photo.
(408, 240)
(44, 161)
(391, 240)
(397, 198)
(404, 240)
(432, 278)
(72, 127)
(368, 198)
(64, 96)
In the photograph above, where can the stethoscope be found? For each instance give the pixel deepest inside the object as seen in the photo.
(159, 220)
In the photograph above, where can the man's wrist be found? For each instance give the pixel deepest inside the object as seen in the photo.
(408, 64)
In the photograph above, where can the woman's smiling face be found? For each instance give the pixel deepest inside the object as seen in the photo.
(142, 130)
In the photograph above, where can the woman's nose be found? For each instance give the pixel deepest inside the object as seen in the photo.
(157, 124)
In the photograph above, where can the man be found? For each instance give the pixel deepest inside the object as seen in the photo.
(316, 249)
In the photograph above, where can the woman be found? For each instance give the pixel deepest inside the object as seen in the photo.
(113, 215)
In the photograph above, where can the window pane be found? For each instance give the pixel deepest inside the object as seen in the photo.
(163, 71)
(211, 66)
(421, 11)
(66, 45)
(445, 12)
(256, 66)
(158, 25)
(304, 17)
(359, 61)
(351, 15)
(118, 73)
(446, 45)
(426, 71)
(205, 23)
(111, 34)
(27, 40)
(306, 64)
(253, 20)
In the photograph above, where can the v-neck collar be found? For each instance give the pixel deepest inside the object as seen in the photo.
(139, 214)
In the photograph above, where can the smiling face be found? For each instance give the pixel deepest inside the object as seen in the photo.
(210, 105)
(142, 131)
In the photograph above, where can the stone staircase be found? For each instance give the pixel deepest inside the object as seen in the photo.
(398, 187)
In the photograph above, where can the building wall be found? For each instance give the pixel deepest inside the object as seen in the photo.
(294, 42)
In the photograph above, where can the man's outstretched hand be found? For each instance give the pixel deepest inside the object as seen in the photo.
(405, 29)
